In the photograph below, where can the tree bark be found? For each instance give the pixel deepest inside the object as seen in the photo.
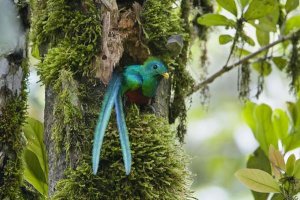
(57, 165)
(13, 96)
(77, 48)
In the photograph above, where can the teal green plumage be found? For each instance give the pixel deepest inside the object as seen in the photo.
(138, 83)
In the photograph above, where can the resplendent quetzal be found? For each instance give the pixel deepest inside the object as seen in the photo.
(139, 84)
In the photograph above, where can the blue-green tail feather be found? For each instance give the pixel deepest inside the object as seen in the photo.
(123, 133)
(107, 105)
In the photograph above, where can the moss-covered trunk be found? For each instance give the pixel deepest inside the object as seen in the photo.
(81, 40)
(13, 80)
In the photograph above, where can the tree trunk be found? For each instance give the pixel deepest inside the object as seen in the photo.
(82, 40)
(13, 96)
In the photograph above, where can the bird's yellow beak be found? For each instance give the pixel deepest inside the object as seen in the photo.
(166, 75)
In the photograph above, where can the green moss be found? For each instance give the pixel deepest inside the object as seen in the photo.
(75, 20)
(160, 20)
(181, 84)
(12, 142)
(158, 170)
(76, 59)
(67, 112)
(72, 31)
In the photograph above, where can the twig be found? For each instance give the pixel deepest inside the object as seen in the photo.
(236, 37)
(227, 68)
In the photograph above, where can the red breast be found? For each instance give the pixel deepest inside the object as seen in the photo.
(137, 97)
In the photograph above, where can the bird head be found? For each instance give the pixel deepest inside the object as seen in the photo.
(156, 68)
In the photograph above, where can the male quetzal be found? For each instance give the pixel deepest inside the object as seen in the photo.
(139, 84)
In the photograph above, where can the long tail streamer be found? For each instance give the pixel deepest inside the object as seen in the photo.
(107, 105)
(123, 132)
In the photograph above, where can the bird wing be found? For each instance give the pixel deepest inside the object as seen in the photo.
(107, 105)
(123, 133)
(132, 78)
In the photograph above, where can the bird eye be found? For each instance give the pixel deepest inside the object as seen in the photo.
(155, 66)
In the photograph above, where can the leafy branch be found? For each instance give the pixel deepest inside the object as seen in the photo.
(227, 67)
(266, 16)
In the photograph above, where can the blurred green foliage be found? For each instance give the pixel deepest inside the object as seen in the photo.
(274, 130)
(271, 19)
(215, 153)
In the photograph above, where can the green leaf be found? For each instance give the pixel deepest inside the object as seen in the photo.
(228, 5)
(290, 165)
(296, 172)
(244, 3)
(215, 20)
(292, 24)
(258, 180)
(285, 44)
(36, 168)
(34, 132)
(242, 52)
(248, 39)
(248, 115)
(259, 8)
(291, 142)
(262, 67)
(259, 160)
(264, 132)
(281, 123)
(267, 25)
(263, 37)
(296, 114)
(35, 52)
(259, 196)
(293, 112)
(259, 118)
(291, 5)
(277, 197)
(269, 22)
(224, 39)
(33, 172)
(279, 62)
